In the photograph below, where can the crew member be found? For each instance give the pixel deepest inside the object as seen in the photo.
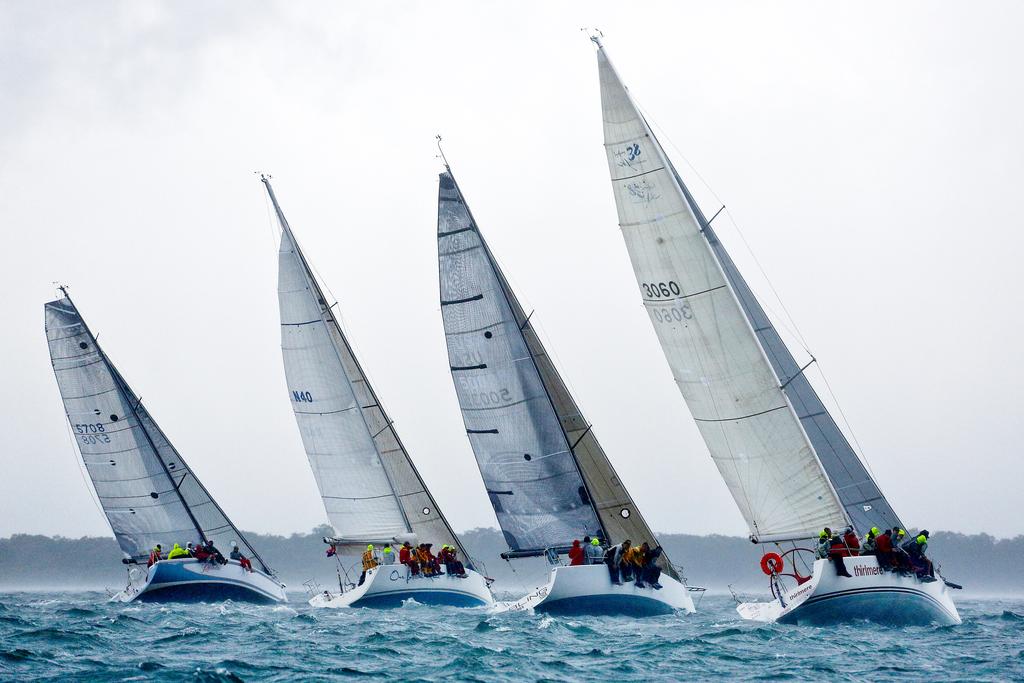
(155, 555)
(388, 555)
(369, 562)
(836, 552)
(176, 552)
(595, 554)
(883, 549)
(870, 546)
(238, 557)
(576, 556)
(652, 572)
(916, 548)
(824, 543)
(851, 542)
(613, 558)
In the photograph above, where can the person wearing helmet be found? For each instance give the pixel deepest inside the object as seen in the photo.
(883, 549)
(870, 543)
(155, 555)
(369, 562)
(824, 543)
(177, 553)
(388, 554)
(901, 561)
(594, 551)
(238, 557)
(915, 548)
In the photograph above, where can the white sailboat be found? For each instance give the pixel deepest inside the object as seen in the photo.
(370, 488)
(547, 477)
(788, 465)
(147, 492)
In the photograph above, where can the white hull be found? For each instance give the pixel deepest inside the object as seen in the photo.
(391, 585)
(871, 594)
(588, 589)
(188, 580)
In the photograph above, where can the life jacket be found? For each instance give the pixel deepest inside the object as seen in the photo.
(403, 555)
(369, 561)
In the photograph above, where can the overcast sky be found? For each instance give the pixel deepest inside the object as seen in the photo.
(871, 154)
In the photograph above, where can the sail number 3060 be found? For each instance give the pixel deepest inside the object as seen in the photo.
(660, 290)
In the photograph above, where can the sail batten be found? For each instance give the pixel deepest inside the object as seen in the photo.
(133, 467)
(788, 466)
(547, 476)
(369, 485)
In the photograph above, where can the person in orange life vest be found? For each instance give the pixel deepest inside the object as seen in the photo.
(575, 554)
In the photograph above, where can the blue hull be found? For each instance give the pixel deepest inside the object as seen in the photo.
(606, 605)
(889, 606)
(190, 581)
(202, 592)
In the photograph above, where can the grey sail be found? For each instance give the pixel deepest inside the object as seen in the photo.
(370, 488)
(147, 491)
(787, 463)
(515, 404)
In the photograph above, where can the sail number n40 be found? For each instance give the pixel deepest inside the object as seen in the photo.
(302, 397)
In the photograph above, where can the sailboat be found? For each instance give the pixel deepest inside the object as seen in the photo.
(372, 492)
(547, 477)
(147, 492)
(789, 467)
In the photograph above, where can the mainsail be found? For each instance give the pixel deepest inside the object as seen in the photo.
(786, 462)
(369, 485)
(546, 474)
(147, 492)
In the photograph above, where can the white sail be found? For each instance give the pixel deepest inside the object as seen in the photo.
(369, 485)
(147, 491)
(735, 397)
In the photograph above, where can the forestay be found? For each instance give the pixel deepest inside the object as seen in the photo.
(516, 407)
(369, 485)
(790, 469)
(146, 489)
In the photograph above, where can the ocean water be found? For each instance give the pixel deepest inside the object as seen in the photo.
(79, 636)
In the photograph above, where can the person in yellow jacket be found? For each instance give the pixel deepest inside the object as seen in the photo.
(369, 562)
(176, 552)
(632, 560)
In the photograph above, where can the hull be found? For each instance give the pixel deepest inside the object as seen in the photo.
(189, 580)
(871, 594)
(588, 590)
(389, 586)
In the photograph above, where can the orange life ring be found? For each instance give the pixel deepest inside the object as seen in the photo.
(771, 563)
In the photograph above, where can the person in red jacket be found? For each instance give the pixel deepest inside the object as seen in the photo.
(575, 554)
(407, 557)
(883, 549)
(851, 541)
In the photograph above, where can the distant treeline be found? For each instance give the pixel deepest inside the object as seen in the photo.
(985, 565)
